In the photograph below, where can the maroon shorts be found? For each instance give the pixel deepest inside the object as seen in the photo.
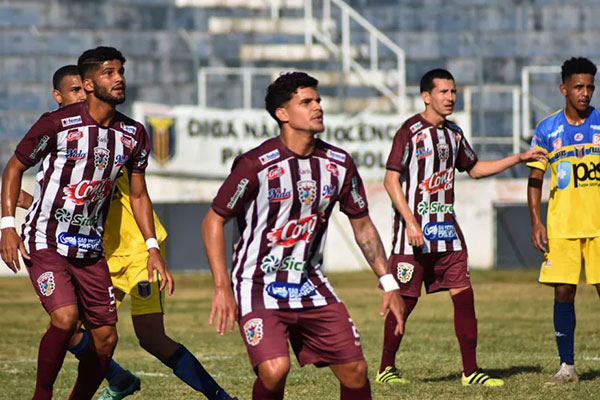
(61, 281)
(321, 336)
(438, 271)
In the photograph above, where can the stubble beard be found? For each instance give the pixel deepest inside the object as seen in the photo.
(105, 96)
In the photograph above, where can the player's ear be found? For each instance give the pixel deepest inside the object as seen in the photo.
(57, 96)
(88, 85)
(282, 114)
(426, 96)
(563, 89)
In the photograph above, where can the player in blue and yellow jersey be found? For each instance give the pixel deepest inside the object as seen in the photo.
(571, 137)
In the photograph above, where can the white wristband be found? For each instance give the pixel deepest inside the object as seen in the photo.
(388, 283)
(7, 222)
(152, 243)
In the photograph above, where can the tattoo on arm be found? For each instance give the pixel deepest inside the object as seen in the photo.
(371, 249)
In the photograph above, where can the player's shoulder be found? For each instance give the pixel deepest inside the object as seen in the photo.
(333, 153)
(126, 124)
(551, 125)
(453, 126)
(67, 117)
(413, 125)
(262, 156)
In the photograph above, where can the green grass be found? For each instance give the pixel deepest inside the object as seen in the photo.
(516, 342)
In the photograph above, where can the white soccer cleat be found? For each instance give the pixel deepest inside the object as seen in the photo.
(565, 374)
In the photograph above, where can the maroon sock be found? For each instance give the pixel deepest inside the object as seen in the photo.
(465, 326)
(391, 342)
(90, 373)
(363, 393)
(260, 392)
(51, 354)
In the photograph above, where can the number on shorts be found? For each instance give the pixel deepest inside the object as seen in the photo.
(354, 330)
(111, 294)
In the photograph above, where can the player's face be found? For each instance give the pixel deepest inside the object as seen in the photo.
(442, 97)
(71, 91)
(578, 90)
(303, 112)
(109, 82)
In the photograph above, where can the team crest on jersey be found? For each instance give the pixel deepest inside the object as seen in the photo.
(416, 126)
(404, 272)
(307, 191)
(161, 131)
(253, 330)
(275, 172)
(443, 150)
(579, 151)
(270, 156)
(557, 144)
(71, 121)
(76, 154)
(101, 156)
(74, 134)
(336, 155)
(46, 283)
(332, 169)
(578, 137)
(144, 289)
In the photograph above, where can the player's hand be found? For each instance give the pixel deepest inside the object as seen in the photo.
(25, 199)
(415, 235)
(394, 302)
(538, 237)
(224, 309)
(156, 263)
(534, 154)
(10, 246)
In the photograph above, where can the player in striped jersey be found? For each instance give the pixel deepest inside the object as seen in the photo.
(282, 194)
(428, 245)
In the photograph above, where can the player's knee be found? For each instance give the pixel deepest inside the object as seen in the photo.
(66, 318)
(273, 373)
(105, 339)
(565, 293)
(357, 371)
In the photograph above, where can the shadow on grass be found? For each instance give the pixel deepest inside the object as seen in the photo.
(589, 375)
(500, 373)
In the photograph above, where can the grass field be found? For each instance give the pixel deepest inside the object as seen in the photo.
(516, 343)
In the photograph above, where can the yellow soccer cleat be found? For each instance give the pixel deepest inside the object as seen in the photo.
(390, 375)
(480, 378)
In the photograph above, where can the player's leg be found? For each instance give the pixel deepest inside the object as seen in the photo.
(354, 383)
(270, 382)
(408, 272)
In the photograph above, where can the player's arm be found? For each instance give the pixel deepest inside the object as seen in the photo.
(142, 211)
(534, 197)
(368, 240)
(25, 200)
(391, 182)
(223, 303)
(481, 169)
(10, 242)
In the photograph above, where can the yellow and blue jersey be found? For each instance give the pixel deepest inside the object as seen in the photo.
(574, 159)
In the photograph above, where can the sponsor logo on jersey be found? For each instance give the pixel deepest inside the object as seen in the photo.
(66, 216)
(578, 137)
(416, 126)
(83, 242)
(287, 290)
(128, 128)
(404, 272)
(563, 174)
(424, 207)
(406, 153)
(468, 150)
(307, 191)
(127, 141)
(595, 127)
(328, 191)
(595, 150)
(443, 150)
(275, 172)
(239, 192)
(435, 231)
(596, 139)
(294, 231)
(579, 151)
(421, 136)
(557, 131)
(101, 156)
(143, 158)
(442, 180)
(144, 289)
(279, 194)
(560, 154)
(71, 121)
(76, 154)
(253, 331)
(356, 197)
(332, 169)
(87, 190)
(423, 152)
(74, 134)
(272, 264)
(40, 146)
(584, 173)
(120, 160)
(270, 156)
(336, 155)
(46, 283)
(557, 144)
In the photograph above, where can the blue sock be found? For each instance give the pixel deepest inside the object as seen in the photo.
(114, 369)
(564, 330)
(187, 368)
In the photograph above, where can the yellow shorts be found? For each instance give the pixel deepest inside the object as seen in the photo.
(130, 276)
(564, 258)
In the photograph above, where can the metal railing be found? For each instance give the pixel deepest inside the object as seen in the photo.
(528, 99)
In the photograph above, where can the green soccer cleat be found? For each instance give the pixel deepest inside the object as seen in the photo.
(110, 394)
(390, 375)
(480, 378)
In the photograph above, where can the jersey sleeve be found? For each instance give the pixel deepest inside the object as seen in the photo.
(465, 157)
(353, 199)
(37, 142)
(238, 188)
(539, 141)
(401, 151)
(138, 161)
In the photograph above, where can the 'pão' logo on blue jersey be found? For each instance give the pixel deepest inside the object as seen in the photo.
(286, 290)
(563, 174)
(435, 231)
(83, 242)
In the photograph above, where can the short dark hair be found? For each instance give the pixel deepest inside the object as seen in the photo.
(61, 73)
(427, 85)
(284, 87)
(92, 58)
(577, 65)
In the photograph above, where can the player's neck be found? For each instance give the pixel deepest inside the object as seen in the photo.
(301, 143)
(100, 111)
(574, 117)
(434, 118)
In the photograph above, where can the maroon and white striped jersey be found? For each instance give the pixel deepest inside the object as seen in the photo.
(426, 158)
(282, 202)
(80, 161)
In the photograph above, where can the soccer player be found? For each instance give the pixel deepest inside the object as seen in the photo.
(428, 245)
(82, 148)
(126, 255)
(571, 137)
(282, 194)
